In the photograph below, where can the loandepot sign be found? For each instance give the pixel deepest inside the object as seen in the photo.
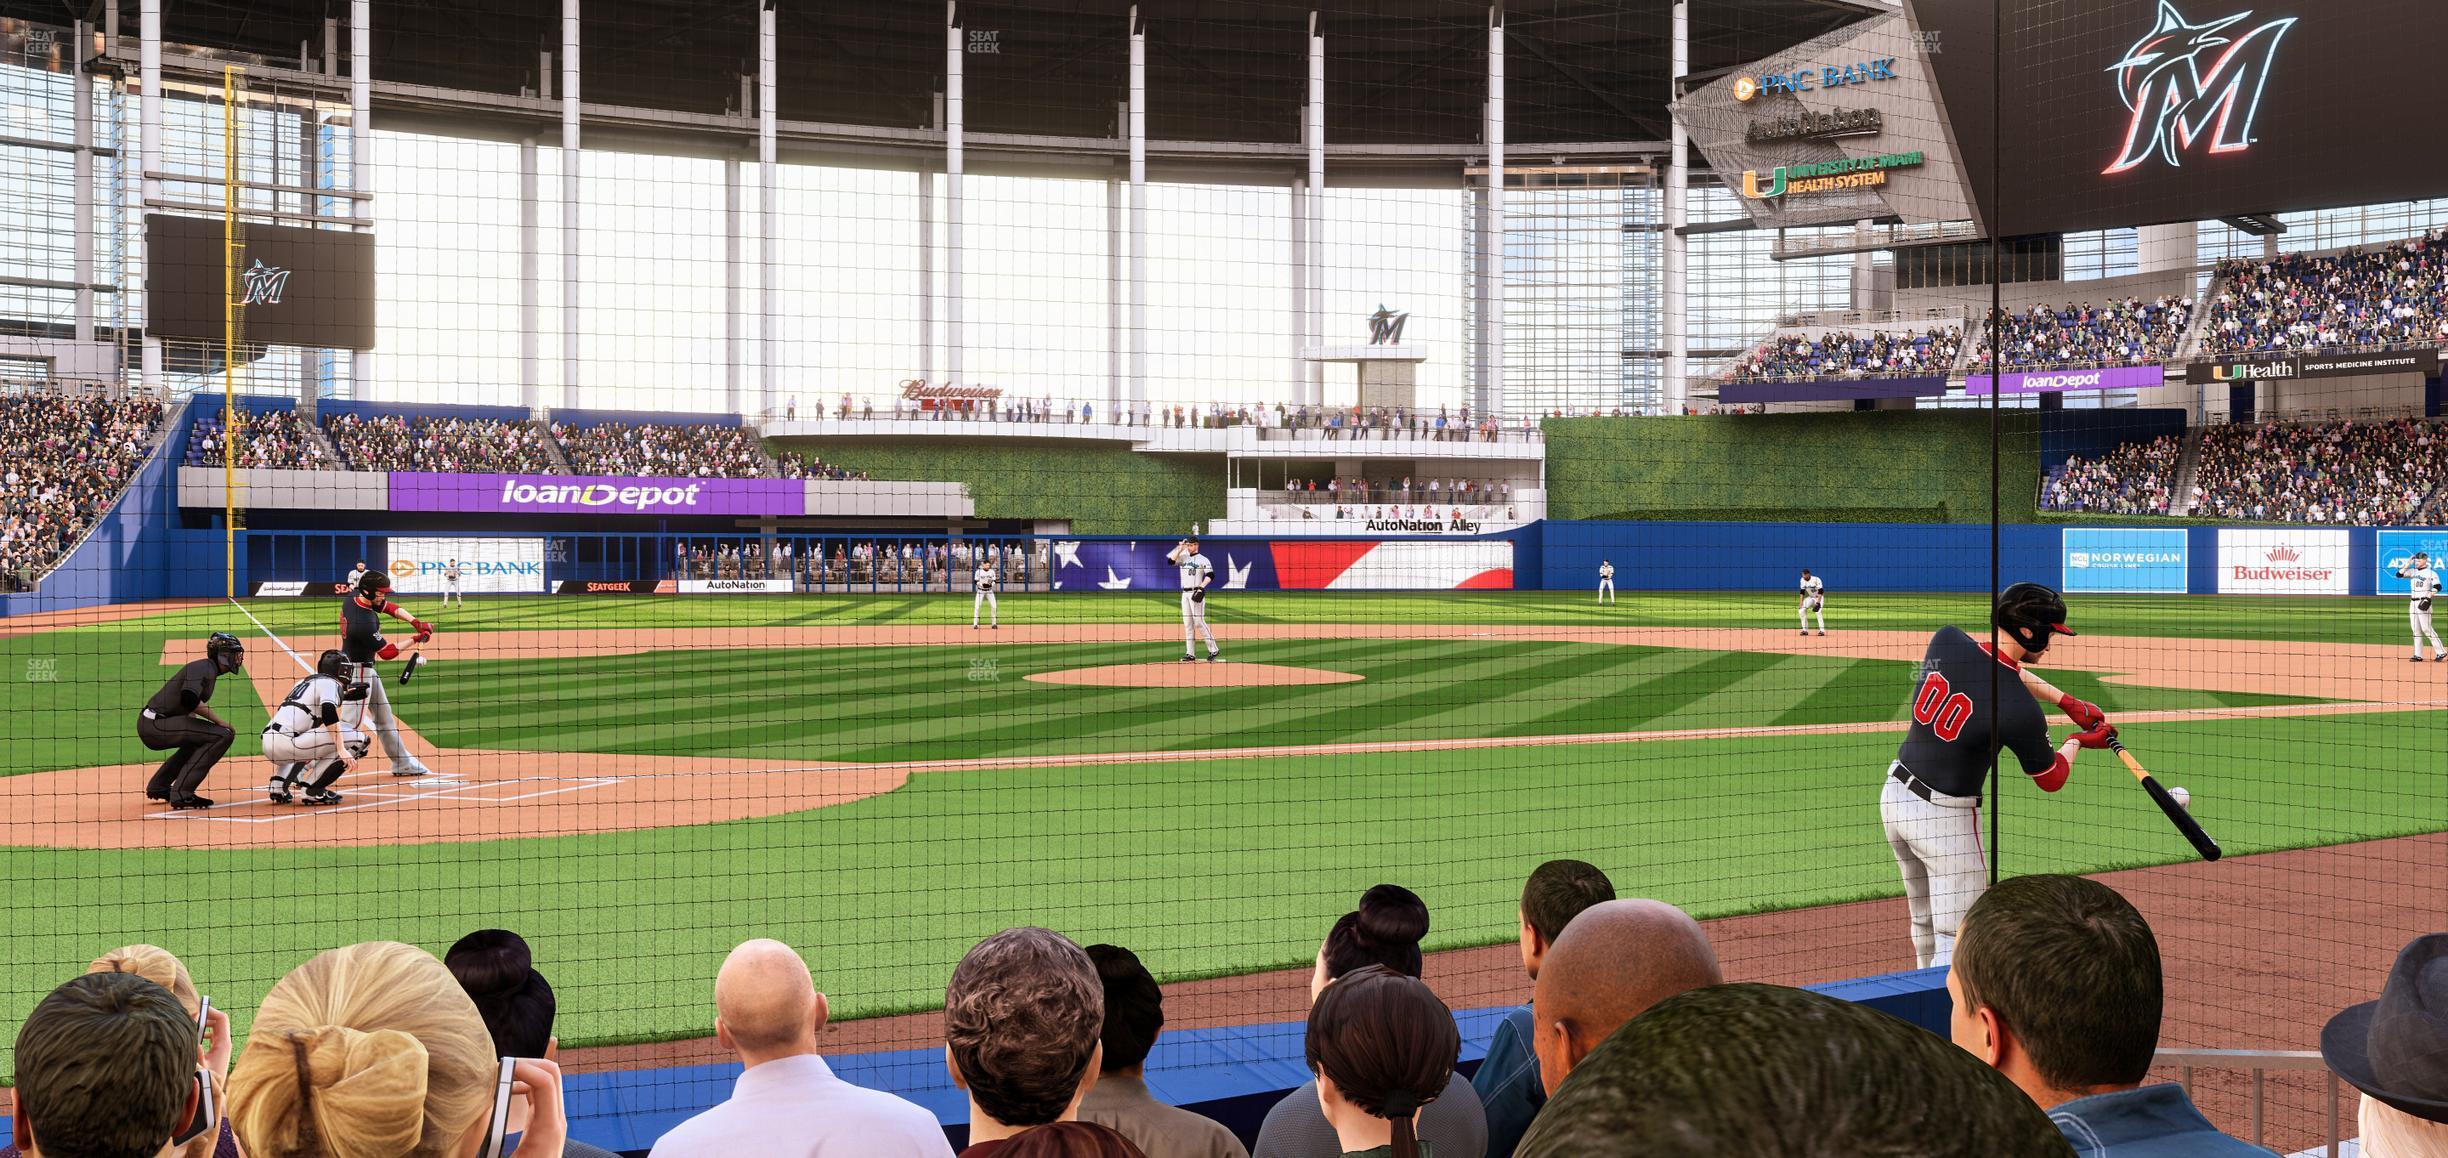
(1827, 176)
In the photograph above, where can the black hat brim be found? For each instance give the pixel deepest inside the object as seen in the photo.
(2345, 1044)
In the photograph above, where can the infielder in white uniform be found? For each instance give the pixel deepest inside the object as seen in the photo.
(357, 574)
(985, 579)
(1196, 574)
(1606, 581)
(307, 732)
(451, 574)
(2423, 585)
(1814, 599)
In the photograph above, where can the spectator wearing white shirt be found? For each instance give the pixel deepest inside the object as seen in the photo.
(787, 1101)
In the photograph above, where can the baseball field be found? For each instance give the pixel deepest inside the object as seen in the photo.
(637, 784)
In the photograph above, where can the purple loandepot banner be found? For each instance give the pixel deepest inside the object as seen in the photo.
(1830, 389)
(547, 494)
(2045, 381)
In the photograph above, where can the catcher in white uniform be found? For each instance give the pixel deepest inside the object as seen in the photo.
(308, 733)
(985, 579)
(2423, 585)
(1814, 601)
(1196, 574)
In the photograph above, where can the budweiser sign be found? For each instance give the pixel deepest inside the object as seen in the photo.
(2282, 562)
(918, 389)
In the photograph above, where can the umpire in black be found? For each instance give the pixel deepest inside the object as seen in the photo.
(180, 716)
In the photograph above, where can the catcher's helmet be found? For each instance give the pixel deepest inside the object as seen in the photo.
(225, 651)
(374, 583)
(2031, 614)
(333, 663)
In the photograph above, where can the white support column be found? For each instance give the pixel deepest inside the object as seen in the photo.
(1313, 208)
(1490, 400)
(1138, 210)
(149, 157)
(769, 241)
(570, 160)
(953, 338)
(1675, 389)
(531, 275)
(82, 87)
(926, 275)
(735, 359)
(1299, 302)
(361, 155)
(1117, 394)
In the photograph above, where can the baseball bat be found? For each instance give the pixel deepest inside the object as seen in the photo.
(2176, 813)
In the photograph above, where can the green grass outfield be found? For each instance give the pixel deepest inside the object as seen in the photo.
(1207, 867)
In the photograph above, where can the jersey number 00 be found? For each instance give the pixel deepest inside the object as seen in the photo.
(1945, 711)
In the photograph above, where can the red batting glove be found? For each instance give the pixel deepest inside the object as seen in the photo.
(2085, 714)
(422, 636)
(2098, 736)
(424, 629)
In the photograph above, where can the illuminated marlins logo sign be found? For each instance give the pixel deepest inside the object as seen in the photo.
(2193, 84)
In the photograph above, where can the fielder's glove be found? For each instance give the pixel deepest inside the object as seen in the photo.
(1199, 596)
(2084, 713)
(2097, 736)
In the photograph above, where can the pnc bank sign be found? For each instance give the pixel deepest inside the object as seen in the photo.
(1751, 86)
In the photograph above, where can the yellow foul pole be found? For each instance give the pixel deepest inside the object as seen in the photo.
(230, 305)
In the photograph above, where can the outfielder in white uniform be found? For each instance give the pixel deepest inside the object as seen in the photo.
(1814, 600)
(1606, 581)
(2423, 585)
(985, 579)
(451, 574)
(1196, 574)
(308, 733)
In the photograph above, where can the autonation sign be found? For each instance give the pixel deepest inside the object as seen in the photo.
(2122, 559)
(544, 494)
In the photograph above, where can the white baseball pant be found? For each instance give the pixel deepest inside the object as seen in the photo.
(374, 715)
(313, 748)
(1606, 591)
(1194, 624)
(985, 602)
(450, 591)
(2420, 617)
(1808, 608)
(1937, 847)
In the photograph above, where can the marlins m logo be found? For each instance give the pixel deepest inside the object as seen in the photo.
(265, 284)
(1386, 326)
(2185, 81)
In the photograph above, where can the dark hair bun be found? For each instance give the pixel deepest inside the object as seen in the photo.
(1392, 917)
(491, 963)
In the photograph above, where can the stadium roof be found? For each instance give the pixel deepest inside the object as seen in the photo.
(1399, 72)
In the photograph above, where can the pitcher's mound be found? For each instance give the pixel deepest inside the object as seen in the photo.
(1176, 674)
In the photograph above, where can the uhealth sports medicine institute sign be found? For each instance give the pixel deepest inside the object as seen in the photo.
(544, 494)
(2273, 367)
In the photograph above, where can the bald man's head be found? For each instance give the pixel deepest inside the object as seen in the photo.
(1614, 961)
(766, 1002)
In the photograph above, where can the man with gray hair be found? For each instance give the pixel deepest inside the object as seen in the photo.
(1023, 1019)
(787, 1102)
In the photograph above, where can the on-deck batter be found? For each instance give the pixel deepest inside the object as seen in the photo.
(1930, 802)
(1196, 574)
(1814, 599)
(2423, 585)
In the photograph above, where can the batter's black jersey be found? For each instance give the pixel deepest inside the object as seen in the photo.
(197, 676)
(1955, 724)
(360, 629)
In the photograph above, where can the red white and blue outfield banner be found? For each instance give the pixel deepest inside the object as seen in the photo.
(1831, 389)
(1288, 565)
(2049, 381)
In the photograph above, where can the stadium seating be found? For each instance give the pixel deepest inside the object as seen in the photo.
(387, 442)
(2136, 478)
(273, 439)
(1850, 354)
(2393, 296)
(2346, 472)
(69, 458)
(2087, 333)
(623, 448)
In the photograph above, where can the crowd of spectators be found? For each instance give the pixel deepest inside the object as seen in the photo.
(665, 450)
(2131, 331)
(1444, 423)
(1434, 491)
(1631, 1043)
(388, 442)
(68, 459)
(2132, 478)
(2352, 473)
(815, 467)
(2393, 296)
(938, 564)
(1840, 354)
(272, 439)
